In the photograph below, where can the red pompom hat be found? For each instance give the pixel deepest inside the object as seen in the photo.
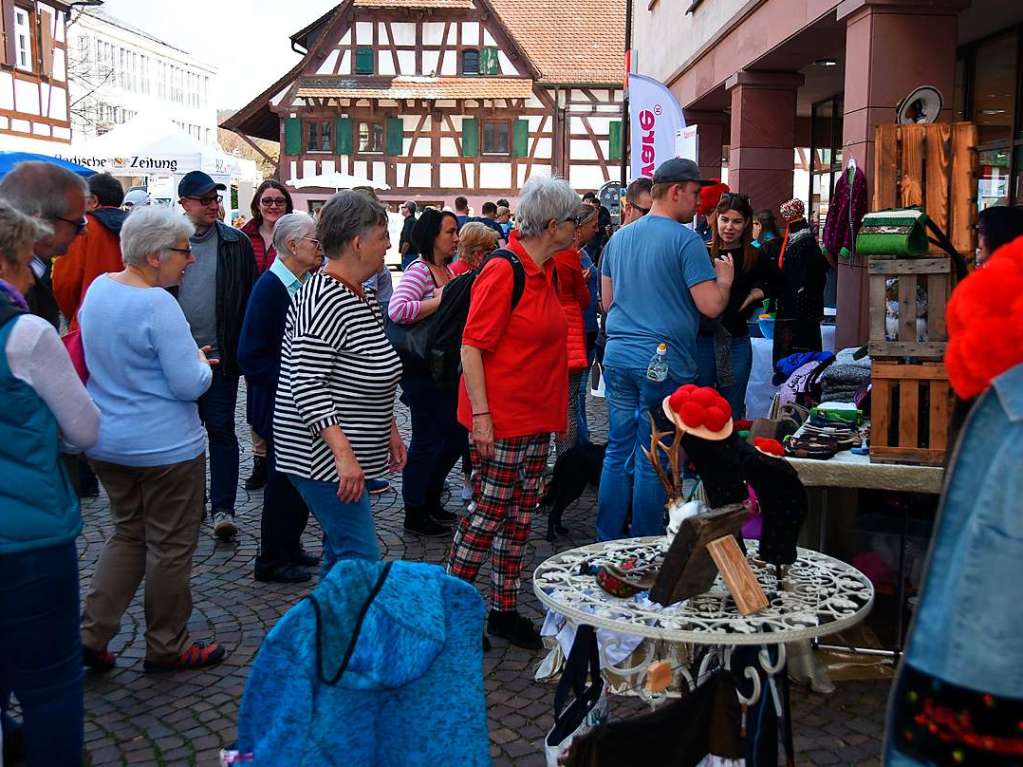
(985, 322)
(702, 412)
(710, 196)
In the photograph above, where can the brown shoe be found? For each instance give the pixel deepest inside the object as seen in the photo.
(199, 655)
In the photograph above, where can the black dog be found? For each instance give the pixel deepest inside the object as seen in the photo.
(576, 468)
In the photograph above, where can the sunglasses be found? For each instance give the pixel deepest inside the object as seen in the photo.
(269, 202)
(78, 225)
(208, 200)
(642, 211)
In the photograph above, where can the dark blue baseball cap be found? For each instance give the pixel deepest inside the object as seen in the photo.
(196, 184)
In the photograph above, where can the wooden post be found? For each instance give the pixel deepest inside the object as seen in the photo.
(737, 575)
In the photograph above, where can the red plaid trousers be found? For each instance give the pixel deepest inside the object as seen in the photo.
(505, 490)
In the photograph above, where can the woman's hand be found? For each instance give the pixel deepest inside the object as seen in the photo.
(352, 481)
(754, 296)
(203, 358)
(483, 435)
(399, 455)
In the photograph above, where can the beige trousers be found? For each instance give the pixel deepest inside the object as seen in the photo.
(156, 512)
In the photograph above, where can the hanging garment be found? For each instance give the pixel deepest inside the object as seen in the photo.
(848, 206)
(374, 668)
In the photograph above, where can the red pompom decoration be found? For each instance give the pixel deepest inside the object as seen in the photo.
(677, 400)
(769, 446)
(706, 396)
(983, 319)
(715, 418)
(692, 414)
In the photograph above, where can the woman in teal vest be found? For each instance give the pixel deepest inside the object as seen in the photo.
(43, 403)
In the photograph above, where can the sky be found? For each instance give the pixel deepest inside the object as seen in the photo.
(246, 40)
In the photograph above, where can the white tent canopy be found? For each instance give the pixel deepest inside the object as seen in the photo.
(149, 145)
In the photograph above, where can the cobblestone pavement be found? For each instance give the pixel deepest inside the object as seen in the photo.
(185, 718)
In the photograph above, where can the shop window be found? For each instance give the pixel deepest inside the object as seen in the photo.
(993, 184)
(318, 136)
(994, 88)
(470, 62)
(23, 40)
(371, 138)
(496, 138)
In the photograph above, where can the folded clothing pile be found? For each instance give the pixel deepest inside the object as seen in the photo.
(842, 383)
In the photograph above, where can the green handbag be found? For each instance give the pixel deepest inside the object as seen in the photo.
(898, 232)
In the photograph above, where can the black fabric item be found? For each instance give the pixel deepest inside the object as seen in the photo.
(679, 734)
(42, 303)
(583, 665)
(794, 336)
(435, 343)
(782, 500)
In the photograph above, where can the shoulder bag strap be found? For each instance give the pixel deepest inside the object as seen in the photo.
(584, 656)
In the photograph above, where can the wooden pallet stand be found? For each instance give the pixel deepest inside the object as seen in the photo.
(911, 406)
(934, 277)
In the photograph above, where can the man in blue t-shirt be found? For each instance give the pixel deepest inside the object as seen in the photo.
(656, 281)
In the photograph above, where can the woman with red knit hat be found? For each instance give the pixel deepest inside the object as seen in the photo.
(797, 324)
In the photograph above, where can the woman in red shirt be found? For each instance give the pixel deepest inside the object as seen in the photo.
(574, 294)
(512, 396)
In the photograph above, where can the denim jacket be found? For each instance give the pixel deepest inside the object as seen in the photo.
(968, 629)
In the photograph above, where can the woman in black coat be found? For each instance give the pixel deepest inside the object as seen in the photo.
(797, 325)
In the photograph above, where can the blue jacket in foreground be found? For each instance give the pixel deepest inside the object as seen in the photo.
(968, 628)
(259, 349)
(412, 693)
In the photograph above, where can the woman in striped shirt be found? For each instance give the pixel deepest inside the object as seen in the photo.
(334, 422)
(438, 440)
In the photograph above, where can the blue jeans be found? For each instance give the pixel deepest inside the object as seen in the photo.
(41, 652)
(629, 397)
(742, 363)
(348, 531)
(216, 409)
(438, 439)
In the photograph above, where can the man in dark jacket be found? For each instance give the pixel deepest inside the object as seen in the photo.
(213, 295)
(406, 248)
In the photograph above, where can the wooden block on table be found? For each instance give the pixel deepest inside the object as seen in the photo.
(737, 575)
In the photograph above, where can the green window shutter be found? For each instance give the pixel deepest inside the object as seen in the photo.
(292, 136)
(364, 61)
(395, 136)
(520, 139)
(489, 63)
(614, 140)
(343, 135)
(470, 137)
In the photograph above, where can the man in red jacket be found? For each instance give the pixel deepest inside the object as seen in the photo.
(96, 251)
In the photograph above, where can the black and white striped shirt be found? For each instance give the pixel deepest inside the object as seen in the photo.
(337, 368)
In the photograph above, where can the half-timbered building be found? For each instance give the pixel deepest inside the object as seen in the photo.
(34, 102)
(439, 98)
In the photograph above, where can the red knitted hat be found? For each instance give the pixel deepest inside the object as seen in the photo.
(710, 196)
(771, 447)
(985, 335)
(702, 412)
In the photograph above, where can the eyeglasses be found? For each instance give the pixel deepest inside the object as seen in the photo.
(269, 202)
(313, 240)
(186, 251)
(642, 211)
(78, 225)
(208, 200)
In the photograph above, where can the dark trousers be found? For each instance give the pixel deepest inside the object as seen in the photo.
(438, 440)
(284, 517)
(216, 409)
(41, 653)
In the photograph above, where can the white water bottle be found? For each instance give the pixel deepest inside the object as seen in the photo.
(658, 368)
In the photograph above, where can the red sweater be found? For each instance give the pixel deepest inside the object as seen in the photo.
(574, 295)
(264, 256)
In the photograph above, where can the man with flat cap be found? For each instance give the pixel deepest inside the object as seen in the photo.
(656, 281)
(213, 294)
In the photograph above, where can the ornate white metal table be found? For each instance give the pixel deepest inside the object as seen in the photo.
(815, 596)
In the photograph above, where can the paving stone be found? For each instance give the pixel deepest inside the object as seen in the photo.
(189, 716)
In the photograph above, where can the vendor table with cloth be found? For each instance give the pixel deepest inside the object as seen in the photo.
(817, 595)
(761, 388)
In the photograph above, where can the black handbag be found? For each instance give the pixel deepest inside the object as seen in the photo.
(588, 707)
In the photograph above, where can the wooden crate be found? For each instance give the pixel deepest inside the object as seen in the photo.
(933, 166)
(911, 406)
(934, 277)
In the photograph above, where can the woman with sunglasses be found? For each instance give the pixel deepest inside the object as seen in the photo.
(271, 201)
(724, 350)
(145, 375)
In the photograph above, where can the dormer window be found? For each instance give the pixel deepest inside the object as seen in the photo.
(470, 62)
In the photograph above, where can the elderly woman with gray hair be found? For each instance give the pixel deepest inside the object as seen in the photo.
(40, 651)
(513, 395)
(145, 375)
(333, 421)
(281, 558)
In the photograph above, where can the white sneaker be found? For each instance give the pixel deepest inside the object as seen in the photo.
(224, 528)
